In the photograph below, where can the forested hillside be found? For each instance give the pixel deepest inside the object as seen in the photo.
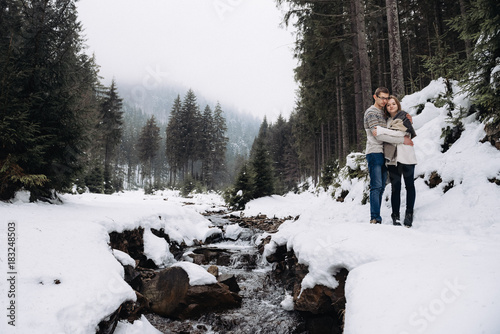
(140, 104)
(345, 50)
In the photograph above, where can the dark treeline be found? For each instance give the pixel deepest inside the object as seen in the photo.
(50, 97)
(345, 50)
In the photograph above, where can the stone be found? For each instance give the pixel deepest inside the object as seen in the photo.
(492, 134)
(317, 300)
(170, 295)
(211, 255)
(132, 277)
(322, 308)
(211, 297)
(198, 259)
(434, 180)
(320, 299)
(131, 310)
(230, 281)
(214, 237)
(214, 270)
(263, 244)
(167, 291)
(129, 241)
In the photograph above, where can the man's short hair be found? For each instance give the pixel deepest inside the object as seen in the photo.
(381, 90)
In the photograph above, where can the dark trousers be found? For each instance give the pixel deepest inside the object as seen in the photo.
(395, 174)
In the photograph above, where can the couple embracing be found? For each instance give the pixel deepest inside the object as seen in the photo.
(389, 148)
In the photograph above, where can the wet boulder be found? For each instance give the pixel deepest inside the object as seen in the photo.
(317, 300)
(214, 235)
(171, 296)
(207, 255)
(230, 281)
(166, 291)
(208, 298)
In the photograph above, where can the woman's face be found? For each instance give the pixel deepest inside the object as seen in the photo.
(392, 107)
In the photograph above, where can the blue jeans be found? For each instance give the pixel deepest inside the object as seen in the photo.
(378, 178)
(395, 173)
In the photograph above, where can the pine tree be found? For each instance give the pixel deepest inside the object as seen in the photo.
(243, 190)
(147, 147)
(480, 73)
(262, 164)
(220, 141)
(173, 141)
(263, 171)
(48, 84)
(110, 131)
(278, 144)
(188, 135)
(133, 120)
(207, 146)
(17, 132)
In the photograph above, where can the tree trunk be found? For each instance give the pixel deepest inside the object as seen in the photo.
(345, 132)
(463, 12)
(322, 145)
(358, 91)
(395, 57)
(338, 145)
(358, 15)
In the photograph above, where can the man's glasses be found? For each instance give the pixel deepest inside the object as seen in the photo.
(383, 98)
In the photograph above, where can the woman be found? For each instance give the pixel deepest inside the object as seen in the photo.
(401, 162)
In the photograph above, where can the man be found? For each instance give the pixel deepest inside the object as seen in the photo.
(374, 116)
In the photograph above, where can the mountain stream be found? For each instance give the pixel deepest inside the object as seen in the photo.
(260, 311)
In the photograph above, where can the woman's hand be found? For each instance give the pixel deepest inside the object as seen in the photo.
(408, 141)
(374, 131)
(409, 117)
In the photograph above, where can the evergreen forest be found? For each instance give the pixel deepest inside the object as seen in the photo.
(62, 130)
(345, 50)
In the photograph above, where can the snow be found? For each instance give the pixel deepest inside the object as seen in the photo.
(141, 326)
(157, 249)
(123, 258)
(68, 278)
(440, 276)
(233, 231)
(287, 303)
(197, 275)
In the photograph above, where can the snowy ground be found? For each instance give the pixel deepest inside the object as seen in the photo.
(66, 277)
(441, 276)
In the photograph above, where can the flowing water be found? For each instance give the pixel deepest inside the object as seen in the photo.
(260, 311)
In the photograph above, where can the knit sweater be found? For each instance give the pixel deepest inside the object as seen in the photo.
(373, 118)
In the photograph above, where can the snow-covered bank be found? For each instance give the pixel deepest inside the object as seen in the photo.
(441, 276)
(67, 277)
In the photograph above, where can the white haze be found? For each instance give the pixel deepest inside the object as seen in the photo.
(233, 51)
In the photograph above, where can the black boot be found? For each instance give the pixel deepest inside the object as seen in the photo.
(408, 219)
(395, 219)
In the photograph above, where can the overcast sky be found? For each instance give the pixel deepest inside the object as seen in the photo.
(233, 51)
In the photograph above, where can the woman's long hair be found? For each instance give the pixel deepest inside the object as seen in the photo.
(392, 97)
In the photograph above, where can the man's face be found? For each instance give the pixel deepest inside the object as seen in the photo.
(381, 100)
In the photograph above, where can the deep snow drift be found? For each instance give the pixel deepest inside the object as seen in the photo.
(440, 276)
